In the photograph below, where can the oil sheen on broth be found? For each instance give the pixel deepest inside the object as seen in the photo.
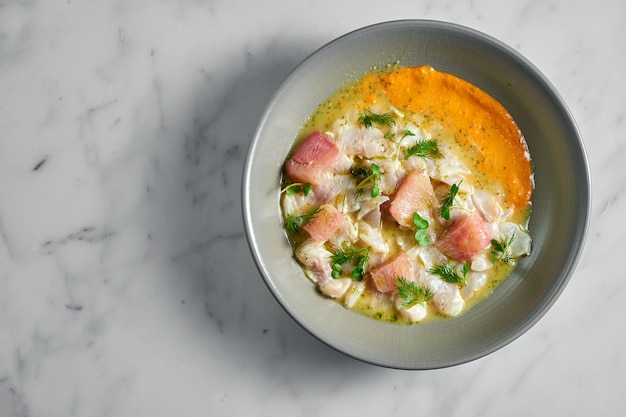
(407, 195)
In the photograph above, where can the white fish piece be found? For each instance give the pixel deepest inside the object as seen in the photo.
(415, 313)
(391, 173)
(370, 224)
(475, 282)
(380, 301)
(463, 203)
(348, 233)
(335, 288)
(448, 300)
(372, 237)
(363, 142)
(447, 297)
(315, 258)
(297, 203)
(451, 170)
(354, 293)
(376, 258)
(429, 256)
(343, 164)
(481, 263)
(521, 244)
(416, 134)
(415, 163)
(487, 205)
(339, 184)
(370, 209)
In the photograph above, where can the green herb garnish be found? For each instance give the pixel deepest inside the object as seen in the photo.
(447, 273)
(411, 293)
(297, 187)
(421, 224)
(448, 202)
(294, 223)
(350, 254)
(500, 250)
(406, 133)
(368, 119)
(424, 149)
(367, 177)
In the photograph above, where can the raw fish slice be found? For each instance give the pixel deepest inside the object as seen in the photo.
(467, 237)
(325, 223)
(313, 159)
(415, 194)
(384, 276)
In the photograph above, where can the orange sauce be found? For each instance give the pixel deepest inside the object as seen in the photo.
(479, 122)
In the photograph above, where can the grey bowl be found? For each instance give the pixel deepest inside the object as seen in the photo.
(561, 203)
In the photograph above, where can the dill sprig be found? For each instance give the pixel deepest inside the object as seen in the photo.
(411, 293)
(369, 119)
(447, 273)
(294, 223)
(424, 149)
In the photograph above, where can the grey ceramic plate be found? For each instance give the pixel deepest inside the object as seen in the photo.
(561, 202)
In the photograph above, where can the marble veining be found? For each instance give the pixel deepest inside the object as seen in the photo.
(126, 283)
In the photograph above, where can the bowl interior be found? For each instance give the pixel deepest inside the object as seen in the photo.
(560, 203)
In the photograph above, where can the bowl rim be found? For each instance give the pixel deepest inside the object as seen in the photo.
(547, 87)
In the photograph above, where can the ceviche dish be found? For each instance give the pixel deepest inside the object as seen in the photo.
(407, 194)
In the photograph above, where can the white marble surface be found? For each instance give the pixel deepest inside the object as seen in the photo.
(126, 284)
